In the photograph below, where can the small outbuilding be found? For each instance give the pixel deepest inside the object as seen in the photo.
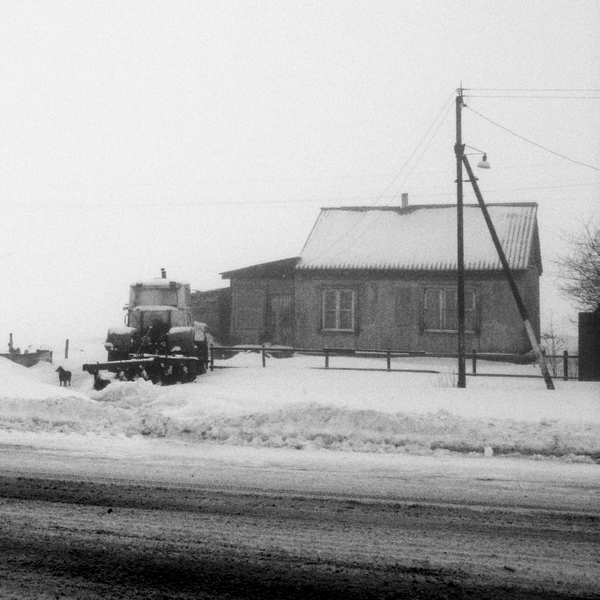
(378, 278)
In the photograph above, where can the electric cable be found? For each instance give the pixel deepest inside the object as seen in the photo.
(422, 153)
(533, 97)
(444, 111)
(577, 162)
(586, 91)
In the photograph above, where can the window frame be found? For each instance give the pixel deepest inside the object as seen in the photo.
(338, 310)
(471, 324)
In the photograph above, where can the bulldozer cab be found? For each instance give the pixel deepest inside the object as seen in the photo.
(160, 304)
(160, 292)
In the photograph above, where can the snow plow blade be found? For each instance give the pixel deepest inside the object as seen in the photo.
(158, 369)
(114, 365)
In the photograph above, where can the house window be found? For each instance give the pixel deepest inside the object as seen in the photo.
(441, 306)
(339, 310)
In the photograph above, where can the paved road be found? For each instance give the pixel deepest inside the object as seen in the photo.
(82, 528)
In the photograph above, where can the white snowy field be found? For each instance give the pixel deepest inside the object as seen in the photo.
(294, 403)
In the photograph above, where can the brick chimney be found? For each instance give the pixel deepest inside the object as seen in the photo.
(404, 200)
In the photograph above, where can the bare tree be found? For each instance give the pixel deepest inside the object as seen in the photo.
(552, 341)
(579, 270)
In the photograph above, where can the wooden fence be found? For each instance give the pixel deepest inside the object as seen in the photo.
(563, 366)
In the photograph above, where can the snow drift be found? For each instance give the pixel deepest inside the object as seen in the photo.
(295, 403)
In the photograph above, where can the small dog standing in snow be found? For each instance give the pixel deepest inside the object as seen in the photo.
(99, 383)
(64, 377)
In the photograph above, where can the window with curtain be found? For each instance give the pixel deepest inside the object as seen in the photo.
(339, 307)
(441, 306)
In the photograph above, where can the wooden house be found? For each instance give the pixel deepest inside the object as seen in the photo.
(385, 278)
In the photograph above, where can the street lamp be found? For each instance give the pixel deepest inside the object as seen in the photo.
(461, 157)
(459, 150)
(483, 163)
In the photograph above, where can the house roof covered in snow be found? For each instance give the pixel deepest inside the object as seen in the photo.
(420, 237)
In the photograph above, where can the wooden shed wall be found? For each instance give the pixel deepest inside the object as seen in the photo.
(213, 307)
(252, 302)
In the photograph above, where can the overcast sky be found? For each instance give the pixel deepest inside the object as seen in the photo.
(205, 136)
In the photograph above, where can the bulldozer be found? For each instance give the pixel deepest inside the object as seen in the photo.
(159, 341)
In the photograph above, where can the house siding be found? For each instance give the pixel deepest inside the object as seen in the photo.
(389, 312)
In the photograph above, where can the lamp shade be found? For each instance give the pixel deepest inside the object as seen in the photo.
(484, 164)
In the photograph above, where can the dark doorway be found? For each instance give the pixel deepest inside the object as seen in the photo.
(281, 319)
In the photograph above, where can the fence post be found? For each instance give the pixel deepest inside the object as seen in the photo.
(212, 357)
(264, 356)
(566, 365)
(326, 352)
(474, 361)
(389, 360)
(66, 348)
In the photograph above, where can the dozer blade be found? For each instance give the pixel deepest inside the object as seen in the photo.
(114, 365)
(164, 369)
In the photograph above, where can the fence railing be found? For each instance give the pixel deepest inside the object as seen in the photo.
(563, 366)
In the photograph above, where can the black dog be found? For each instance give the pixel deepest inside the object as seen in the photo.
(99, 383)
(64, 377)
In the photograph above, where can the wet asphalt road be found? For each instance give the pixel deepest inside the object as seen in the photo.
(95, 538)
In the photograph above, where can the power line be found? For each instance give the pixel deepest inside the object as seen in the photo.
(424, 150)
(534, 143)
(160, 204)
(443, 113)
(182, 184)
(512, 189)
(444, 108)
(587, 91)
(360, 234)
(447, 108)
(537, 96)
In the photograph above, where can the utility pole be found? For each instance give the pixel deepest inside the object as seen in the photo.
(459, 150)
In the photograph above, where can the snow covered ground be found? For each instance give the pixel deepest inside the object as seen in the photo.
(294, 403)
